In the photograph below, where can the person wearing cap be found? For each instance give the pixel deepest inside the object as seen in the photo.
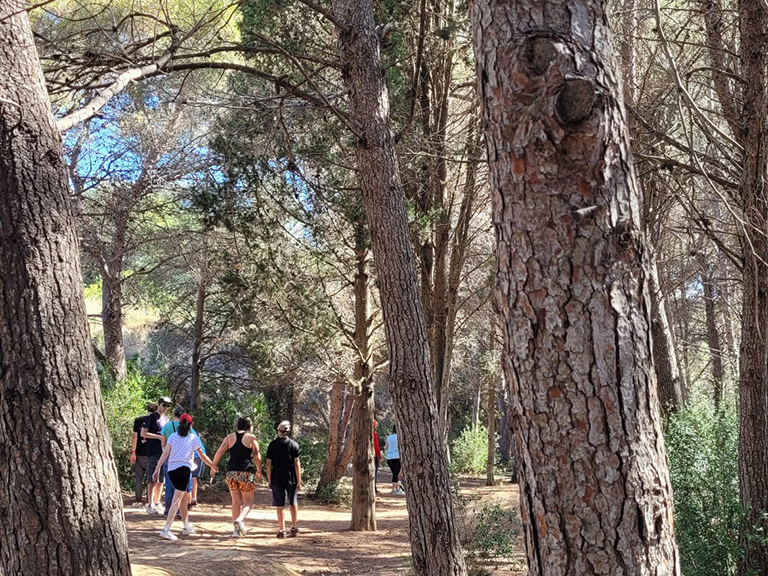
(376, 457)
(139, 454)
(167, 430)
(179, 452)
(284, 476)
(151, 431)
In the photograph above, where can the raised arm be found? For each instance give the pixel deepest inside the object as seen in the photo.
(145, 433)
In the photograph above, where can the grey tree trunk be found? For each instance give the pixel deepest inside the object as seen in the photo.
(713, 332)
(572, 281)
(60, 505)
(363, 479)
(435, 544)
(339, 449)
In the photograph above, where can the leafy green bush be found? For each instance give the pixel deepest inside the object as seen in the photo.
(702, 447)
(313, 451)
(123, 402)
(469, 452)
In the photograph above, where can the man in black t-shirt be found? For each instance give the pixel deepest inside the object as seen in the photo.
(151, 431)
(284, 476)
(139, 453)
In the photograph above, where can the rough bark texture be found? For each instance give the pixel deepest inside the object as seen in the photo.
(112, 318)
(435, 544)
(572, 281)
(713, 332)
(753, 384)
(363, 481)
(339, 449)
(60, 506)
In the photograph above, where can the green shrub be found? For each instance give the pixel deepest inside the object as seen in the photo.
(469, 452)
(123, 402)
(313, 452)
(702, 447)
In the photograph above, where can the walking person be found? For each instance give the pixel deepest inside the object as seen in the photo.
(166, 432)
(139, 455)
(242, 475)
(198, 469)
(179, 451)
(393, 460)
(376, 457)
(284, 476)
(151, 431)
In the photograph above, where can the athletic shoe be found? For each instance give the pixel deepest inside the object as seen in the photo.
(188, 529)
(151, 509)
(294, 531)
(168, 535)
(281, 534)
(240, 525)
(235, 533)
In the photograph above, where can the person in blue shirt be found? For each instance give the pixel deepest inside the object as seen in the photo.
(393, 460)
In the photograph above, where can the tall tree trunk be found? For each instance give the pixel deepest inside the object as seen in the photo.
(197, 345)
(60, 505)
(572, 279)
(339, 449)
(664, 355)
(434, 537)
(505, 421)
(753, 384)
(363, 480)
(713, 333)
(112, 319)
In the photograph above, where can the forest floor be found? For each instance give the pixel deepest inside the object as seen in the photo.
(325, 546)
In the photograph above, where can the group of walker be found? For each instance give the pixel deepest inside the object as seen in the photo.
(175, 448)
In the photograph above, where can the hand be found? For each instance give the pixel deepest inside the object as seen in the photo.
(214, 470)
(258, 476)
(298, 486)
(133, 458)
(155, 476)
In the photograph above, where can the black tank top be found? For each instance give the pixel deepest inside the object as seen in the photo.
(240, 455)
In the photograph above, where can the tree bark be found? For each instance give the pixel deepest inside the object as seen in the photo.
(60, 506)
(572, 280)
(363, 480)
(435, 544)
(339, 449)
(112, 320)
(713, 333)
(753, 384)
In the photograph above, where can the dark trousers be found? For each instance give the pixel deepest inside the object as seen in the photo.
(141, 473)
(376, 460)
(394, 465)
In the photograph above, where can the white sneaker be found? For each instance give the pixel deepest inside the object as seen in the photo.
(168, 535)
(240, 525)
(151, 509)
(235, 533)
(188, 529)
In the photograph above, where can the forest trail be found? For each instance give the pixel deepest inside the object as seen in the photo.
(324, 547)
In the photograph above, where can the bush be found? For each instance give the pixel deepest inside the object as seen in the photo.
(313, 452)
(702, 447)
(469, 452)
(123, 402)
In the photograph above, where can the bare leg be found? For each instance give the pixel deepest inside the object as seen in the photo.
(184, 507)
(194, 489)
(280, 518)
(237, 503)
(294, 514)
(178, 496)
(245, 505)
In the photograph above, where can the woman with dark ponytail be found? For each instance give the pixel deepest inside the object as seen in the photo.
(180, 450)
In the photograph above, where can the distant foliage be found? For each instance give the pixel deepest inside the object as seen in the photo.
(469, 452)
(124, 401)
(313, 451)
(702, 447)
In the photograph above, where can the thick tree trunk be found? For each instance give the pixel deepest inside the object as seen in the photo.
(572, 280)
(363, 485)
(339, 449)
(753, 384)
(112, 319)
(434, 537)
(60, 506)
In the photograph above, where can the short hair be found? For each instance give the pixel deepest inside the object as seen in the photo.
(244, 423)
(151, 406)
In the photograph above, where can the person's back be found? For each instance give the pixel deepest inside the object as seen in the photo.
(282, 451)
(393, 450)
(240, 455)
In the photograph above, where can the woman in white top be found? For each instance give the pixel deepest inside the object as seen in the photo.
(393, 460)
(180, 449)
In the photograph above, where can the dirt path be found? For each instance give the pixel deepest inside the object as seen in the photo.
(325, 546)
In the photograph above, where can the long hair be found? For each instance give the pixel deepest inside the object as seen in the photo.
(183, 428)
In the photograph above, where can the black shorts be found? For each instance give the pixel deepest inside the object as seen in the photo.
(279, 494)
(180, 478)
